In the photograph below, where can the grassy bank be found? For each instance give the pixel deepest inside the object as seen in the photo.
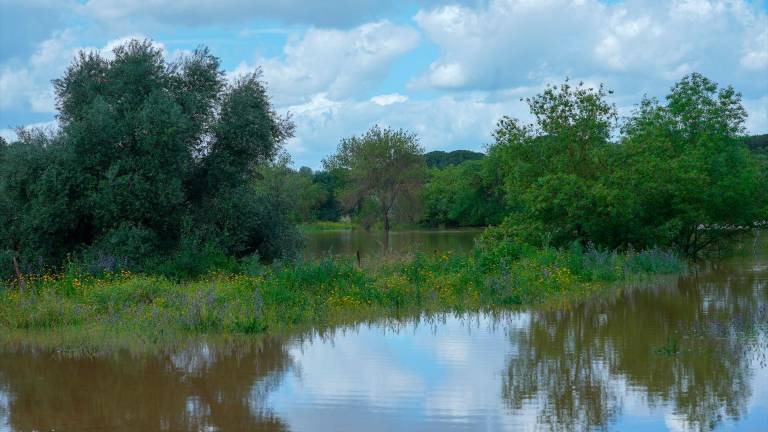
(75, 311)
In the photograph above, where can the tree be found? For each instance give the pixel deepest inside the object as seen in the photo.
(552, 168)
(467, 194)
(385, 167)
(694, 181)
(148, 152)
(679, 176)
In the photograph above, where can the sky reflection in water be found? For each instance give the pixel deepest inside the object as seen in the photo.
(683, 355)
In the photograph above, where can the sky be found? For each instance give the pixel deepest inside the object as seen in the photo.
(447, 70)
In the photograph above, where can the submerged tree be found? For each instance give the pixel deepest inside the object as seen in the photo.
(385, 169)
(693, 182)
(678, 176)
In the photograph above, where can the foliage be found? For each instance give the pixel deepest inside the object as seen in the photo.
(757, 143)
(441, 159)
(679, 175)
(247, 297)
(694, 182)
(149, 152)
(385, 171)
(467, 194)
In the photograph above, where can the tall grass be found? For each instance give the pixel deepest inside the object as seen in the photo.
(257, 299)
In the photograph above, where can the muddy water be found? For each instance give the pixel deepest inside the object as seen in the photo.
(371, 244)
(688, 354)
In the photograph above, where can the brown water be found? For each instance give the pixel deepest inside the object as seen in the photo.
(689, 354)
(372, 243)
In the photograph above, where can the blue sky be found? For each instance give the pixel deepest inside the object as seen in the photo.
(444, 69)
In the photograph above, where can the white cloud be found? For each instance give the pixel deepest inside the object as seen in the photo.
(389, 99)
(755, 54)
(455, 121)
(638, 44)
(338, 63)
(206, 12)
(757, 122)
(26, 85)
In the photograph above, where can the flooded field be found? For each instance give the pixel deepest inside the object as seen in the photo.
(372, 243)
(687, 354)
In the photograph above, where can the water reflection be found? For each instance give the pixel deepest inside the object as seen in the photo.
(692, 347)
(684, 355)
(371, 243)
(198, 390)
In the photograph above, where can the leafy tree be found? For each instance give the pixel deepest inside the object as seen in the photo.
(552, 168)
(331, 182)
(463, 195)
(694, 181)
(385, 169)
(148, 152)
(679, 174)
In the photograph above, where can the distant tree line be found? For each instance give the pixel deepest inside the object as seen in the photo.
(677, 174)
(441, 159)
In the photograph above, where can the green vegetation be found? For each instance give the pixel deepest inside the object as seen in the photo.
(757, 144)
(468, 194)
(326, 226)
(385, 171)
(153, 160)
(440, 159)
(77, 311)
(172, 173)
(679, 176)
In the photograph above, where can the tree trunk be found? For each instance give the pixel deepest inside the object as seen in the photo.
(386, 231)
(19, 276)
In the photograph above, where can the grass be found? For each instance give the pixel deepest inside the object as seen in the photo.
(76, 311)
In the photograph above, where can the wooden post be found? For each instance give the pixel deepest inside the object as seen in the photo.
(19, 276)
(358, 258)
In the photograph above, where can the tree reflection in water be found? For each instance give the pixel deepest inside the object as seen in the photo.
(199, 389)
(692, 345)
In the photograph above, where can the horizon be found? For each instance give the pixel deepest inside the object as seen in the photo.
(444, 70)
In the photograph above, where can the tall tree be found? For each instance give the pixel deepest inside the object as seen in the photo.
(148, 151)
(385, 167)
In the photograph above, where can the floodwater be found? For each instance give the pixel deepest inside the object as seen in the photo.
(684, 354)
(372, 243)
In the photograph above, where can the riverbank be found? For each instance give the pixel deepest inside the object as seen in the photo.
(78, 312)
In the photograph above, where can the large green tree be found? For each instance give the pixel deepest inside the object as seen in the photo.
(693, 181)
(148, 152)
(385, 168)
(552, 168)
(679, 175)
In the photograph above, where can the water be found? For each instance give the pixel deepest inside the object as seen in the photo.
(687, 354)
(372, 243)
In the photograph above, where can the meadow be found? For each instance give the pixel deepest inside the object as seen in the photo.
(79, 312)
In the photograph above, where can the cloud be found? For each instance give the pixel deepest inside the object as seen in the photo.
(448, 122)
(333, 13)
(25, 23)
(637, 44)
(26, 84)
(339, 63)
(389, 99)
